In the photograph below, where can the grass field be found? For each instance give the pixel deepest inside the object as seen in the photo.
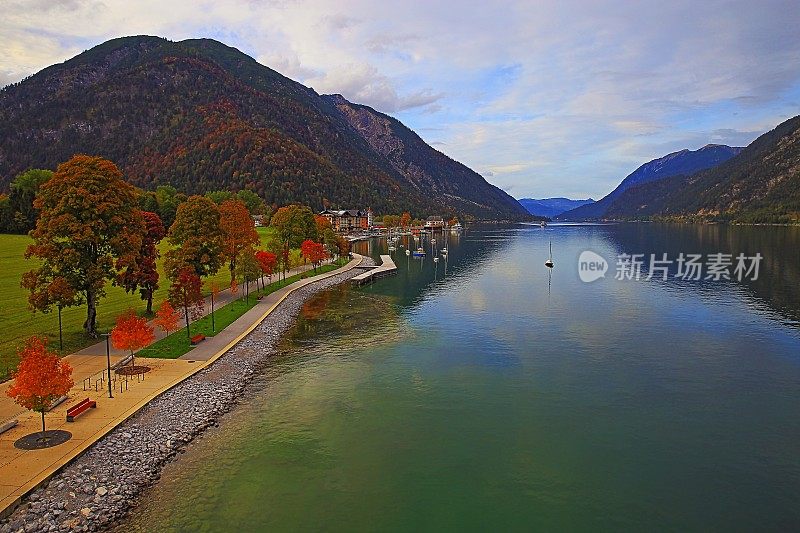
(177, 344)
(18, 322)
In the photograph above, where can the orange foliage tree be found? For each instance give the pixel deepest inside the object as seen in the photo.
(267, 262)
(167, 317)
(89, 230)
(405, 220)
(132, 333)
(40, 379)
(238, 231)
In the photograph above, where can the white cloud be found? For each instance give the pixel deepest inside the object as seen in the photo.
(552, 97)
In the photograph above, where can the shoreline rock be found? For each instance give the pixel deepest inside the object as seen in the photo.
(100, 487)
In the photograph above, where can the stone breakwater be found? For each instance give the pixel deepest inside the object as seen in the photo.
(100, 487)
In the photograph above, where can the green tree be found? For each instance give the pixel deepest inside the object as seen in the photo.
(248, 269)
(24, 187)
(219, 196)
(197, 238)
(255, 204)
(293, 224)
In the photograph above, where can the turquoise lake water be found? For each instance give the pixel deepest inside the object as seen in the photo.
(487, 393)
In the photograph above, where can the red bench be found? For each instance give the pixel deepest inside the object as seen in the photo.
(197, 339)
(79, 408)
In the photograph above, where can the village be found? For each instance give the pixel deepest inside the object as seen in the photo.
(357, 224)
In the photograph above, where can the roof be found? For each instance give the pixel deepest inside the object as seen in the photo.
(344, 213)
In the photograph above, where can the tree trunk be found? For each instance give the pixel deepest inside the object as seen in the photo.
(43, 431)
(90, 326)
(186, 314)
(60, 333)
(232, 268)
(150, 301)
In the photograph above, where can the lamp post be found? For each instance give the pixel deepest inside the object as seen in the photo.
(108, 361)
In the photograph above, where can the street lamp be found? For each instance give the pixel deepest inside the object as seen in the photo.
(108, 361)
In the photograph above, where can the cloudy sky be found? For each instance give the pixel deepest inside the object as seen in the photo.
(544, 98)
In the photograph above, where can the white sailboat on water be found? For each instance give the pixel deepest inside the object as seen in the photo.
(549, 263)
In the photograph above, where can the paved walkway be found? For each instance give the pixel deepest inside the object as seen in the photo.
(21, 471)
(223, 298)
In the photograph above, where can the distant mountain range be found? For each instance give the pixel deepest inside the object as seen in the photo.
(551, 207)
(202, 116)
(759, 185)
(684, 162)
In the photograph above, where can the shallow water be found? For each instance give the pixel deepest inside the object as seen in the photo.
(488, 393)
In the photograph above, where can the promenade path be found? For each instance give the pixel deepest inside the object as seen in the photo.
(21, 471)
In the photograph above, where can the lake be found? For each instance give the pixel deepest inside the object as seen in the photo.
(487, 392)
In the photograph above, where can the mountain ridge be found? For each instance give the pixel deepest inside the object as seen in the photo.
(200, 115)
(551, 207)
(676, 163)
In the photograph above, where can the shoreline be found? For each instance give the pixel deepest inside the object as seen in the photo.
(101, 486)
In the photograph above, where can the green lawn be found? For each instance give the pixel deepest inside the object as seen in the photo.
(177, 344)
(18, 322)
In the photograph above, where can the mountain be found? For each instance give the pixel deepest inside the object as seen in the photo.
(427, 170)
(200, 116)
(760, 184)
(551, 207)
(683, 162)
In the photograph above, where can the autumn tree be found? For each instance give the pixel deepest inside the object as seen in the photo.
(293, 224)
(313, 252)
(239, 232)
(248, 269)
(166, 317)
(267, 262)
(197, 238)
(41, 378)
(48, 293)
(132, 332)
(143, 272)
(186, 292)
(89, 229)
(405, 219)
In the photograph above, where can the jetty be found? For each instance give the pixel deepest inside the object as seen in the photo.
(386, 268)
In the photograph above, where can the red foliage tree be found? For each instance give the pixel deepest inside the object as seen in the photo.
(40, 379)
(167, 317)
(132, 333)
(314, 252)
(143, 273)
(186, 292)
(267, 262)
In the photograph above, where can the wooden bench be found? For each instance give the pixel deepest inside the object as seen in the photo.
(197, 339)
(79, 408)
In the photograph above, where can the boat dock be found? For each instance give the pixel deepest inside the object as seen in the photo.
(385, 269)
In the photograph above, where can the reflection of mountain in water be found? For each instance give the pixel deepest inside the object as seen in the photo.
(778, 284)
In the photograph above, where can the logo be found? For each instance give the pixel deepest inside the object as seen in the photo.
(591, 266)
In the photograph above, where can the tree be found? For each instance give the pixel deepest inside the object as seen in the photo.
(89, 229)
(314, 252)
(255, 205)
(48, 292)
(239, 232)
(132, 333)
(323, 224)
(168, 201)
(186, 292)
(293, 224)
(40, 379)
(22, 215)
(267, 262)
(143, 273)
(248, 269)
(219, 196)
(343, 246)
(166, 317)
(405, 220)
(214, 295)
(197, 237)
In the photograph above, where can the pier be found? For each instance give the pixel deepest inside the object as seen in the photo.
(385, 269)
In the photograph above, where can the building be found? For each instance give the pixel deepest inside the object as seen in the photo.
(434, 223)
(348, 220)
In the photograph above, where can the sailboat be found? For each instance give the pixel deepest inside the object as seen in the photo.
(549, 263)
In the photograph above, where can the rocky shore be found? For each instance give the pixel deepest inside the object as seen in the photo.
(100, 487)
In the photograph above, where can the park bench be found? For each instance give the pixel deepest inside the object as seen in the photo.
(197, 339)
(79, 408)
